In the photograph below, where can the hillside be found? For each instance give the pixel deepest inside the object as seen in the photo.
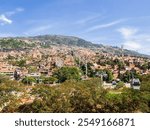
(48, 40)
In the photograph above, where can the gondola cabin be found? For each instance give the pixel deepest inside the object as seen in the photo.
(135, 84)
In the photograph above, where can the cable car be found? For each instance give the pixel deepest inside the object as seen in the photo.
(135, 84)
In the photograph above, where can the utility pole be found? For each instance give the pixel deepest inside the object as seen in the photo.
(122, 53)
(27, 82)
(85, 59)
(102, 79)
(86, 69)
(79, 62)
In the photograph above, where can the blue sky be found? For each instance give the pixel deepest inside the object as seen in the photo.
(111, 22)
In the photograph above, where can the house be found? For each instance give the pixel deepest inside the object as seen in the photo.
(7, 69)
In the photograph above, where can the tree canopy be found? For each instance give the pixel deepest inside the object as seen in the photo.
(67, 73)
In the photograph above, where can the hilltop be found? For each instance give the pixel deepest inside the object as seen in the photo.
(59, 40)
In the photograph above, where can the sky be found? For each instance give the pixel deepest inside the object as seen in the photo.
(108, 22)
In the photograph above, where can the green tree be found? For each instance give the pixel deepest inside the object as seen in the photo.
(120, 85)
(126, 77)
(9, 98)
(21, 63)
(70, 96)
(109, 75)
(49, 80)
(67, 73)
(3, 78)
(28, 80)
(90, 71)
(144, 66)
(145, 83)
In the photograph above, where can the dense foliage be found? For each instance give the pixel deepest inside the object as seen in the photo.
(145, 83)
(67, 73)
(28, 80)
(74, 96)
(9, 94)
(85, 96)
(14, 44)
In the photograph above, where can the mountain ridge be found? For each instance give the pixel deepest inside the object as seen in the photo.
(48, 40)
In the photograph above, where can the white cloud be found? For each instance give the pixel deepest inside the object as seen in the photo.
(17, 10)
(4, 20)
(133, 39)
(103, 25)
(127, 32)
(132, 45)
(88, 19)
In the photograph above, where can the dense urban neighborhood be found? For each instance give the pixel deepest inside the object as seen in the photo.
(47, 74)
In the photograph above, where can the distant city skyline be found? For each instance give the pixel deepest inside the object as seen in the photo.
(109, 22)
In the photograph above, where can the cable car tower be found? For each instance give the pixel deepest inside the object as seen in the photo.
(122, 53)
